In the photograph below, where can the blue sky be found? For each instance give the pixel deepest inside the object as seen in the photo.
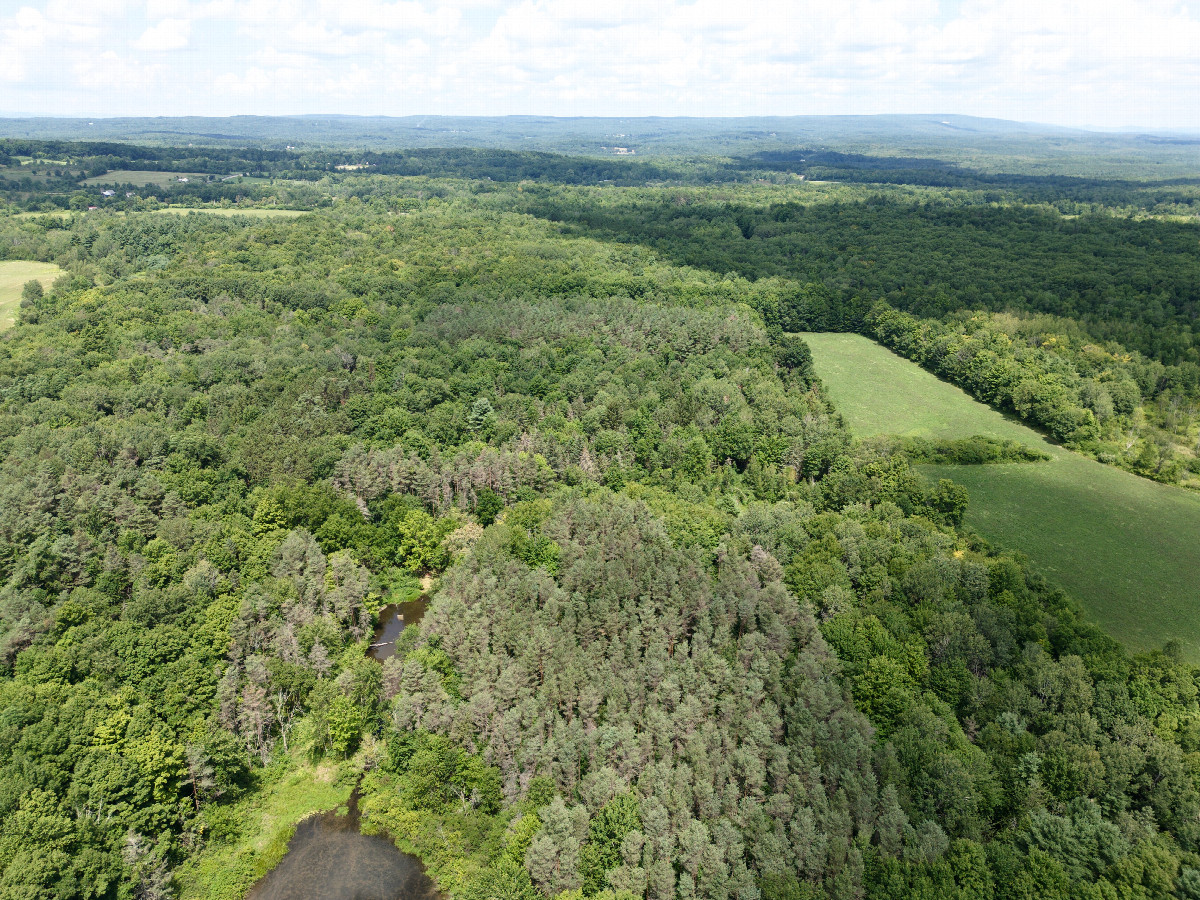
(1099, 63)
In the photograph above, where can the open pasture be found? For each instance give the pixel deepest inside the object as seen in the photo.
(258, 213)
(252, 212)
(1127, 548)
(879, 392)
(13, 275)
(141, 179)
(19, 173)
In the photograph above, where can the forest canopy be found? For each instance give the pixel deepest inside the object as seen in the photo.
(689, 637)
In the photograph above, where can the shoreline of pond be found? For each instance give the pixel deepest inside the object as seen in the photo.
(329, 856)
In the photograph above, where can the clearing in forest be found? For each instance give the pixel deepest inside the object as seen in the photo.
(255, 212)
(879, 392)
(1124, 546)
(13, 275)
(141, 179)
(252, 212)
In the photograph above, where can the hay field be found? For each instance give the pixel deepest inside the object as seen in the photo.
(1127, 548)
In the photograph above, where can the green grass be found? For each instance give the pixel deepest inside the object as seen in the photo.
(22, 172)
(1128, 549)
(141, 179)
(253, 212)
(13, 275)
(879, 392)
(58, 214)
(260, 212)
(263, 823)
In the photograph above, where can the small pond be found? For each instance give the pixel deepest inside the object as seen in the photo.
(330, 859)
(393, 619)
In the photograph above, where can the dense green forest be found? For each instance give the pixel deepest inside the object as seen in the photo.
(1097, 340)
(1104, 353)
(691, 638)
(48, 174)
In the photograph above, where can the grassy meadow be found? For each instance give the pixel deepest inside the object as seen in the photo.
(13, 275)
(253, 212)
(879, 392)
(1127, 548)
(141, 179)
(258, 213)
(58, 214)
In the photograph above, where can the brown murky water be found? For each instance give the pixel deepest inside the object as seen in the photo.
(393, 619)
(330, 859)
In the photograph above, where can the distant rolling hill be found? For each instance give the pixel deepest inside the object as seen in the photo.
(952, 137)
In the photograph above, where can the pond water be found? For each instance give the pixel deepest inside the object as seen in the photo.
(393, 619)
(330, 859)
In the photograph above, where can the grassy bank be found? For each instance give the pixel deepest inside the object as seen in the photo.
(247, 839)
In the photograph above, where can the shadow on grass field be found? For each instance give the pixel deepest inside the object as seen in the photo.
(1127, 548)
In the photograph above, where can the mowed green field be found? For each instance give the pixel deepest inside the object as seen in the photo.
(881, 393)
(13, 275)
(259, 213)
(58, 214)
(254, 213)
(1128, 549)
(141, 179)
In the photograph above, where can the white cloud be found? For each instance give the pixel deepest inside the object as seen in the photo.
(169, 34)
(90, 12)
(405, 16)
(108, 71)
(318, 38)
(1072, 61)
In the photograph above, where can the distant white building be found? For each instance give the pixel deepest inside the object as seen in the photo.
(109, 193)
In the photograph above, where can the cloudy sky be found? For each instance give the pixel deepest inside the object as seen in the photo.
(1101, 63)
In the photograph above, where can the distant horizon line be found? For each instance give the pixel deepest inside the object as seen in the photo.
(1094, 129)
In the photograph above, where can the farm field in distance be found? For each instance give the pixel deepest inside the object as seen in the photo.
(13, 275)
(253, 212)
(1123, 545)
(233, 211)
(140, 179)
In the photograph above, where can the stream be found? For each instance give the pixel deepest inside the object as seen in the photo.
(393, 619)
(329, 858)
